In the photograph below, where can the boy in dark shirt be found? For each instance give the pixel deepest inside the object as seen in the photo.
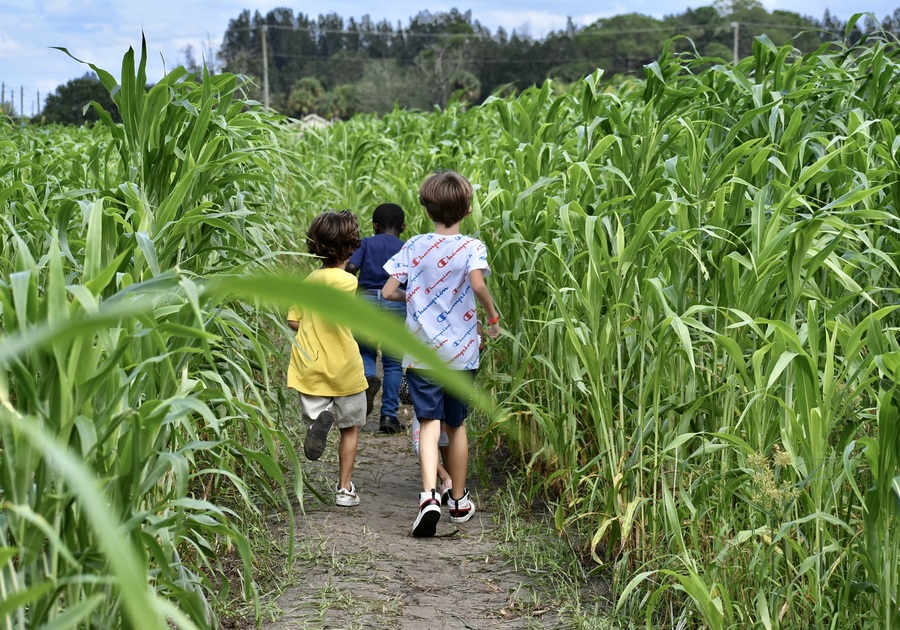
(388, 222)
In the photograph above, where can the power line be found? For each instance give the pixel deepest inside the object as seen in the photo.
(589, 31)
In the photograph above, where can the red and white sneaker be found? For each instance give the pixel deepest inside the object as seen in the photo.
(461, 510)
(428, 516)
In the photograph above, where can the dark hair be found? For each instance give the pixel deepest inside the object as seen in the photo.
(389, 216)
(447, 196)
(333, 236)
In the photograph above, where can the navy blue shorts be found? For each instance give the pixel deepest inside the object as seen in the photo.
(431, 402)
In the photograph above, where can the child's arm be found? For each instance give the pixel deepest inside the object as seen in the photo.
(293, 318)
(356, 259)
(392, 291)
(483, 296)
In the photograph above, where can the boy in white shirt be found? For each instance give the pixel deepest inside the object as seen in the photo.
(444, 272)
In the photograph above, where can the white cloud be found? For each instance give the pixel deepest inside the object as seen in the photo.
(9, 47)
(535, 23)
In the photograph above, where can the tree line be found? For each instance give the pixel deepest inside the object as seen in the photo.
(338, 67)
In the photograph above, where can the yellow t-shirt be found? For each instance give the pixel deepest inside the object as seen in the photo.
(327, 362)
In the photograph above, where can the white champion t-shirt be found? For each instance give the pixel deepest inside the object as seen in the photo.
(440, 303)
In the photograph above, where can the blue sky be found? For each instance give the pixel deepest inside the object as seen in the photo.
(101, 31)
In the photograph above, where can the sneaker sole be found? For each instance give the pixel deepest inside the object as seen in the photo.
(463, 519)
(371, 390)
(426, 523)
(317, 436)
(344, 502)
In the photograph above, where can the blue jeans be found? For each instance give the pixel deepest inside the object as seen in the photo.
(391, 366)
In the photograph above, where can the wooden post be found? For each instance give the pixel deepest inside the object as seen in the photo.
(265, 52)
(735, 26)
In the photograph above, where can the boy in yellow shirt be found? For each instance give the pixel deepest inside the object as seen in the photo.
(326, 367)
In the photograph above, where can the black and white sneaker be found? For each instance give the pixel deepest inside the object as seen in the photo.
(461, 510)
(428, 516)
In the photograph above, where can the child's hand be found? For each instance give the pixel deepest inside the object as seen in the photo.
(494, 330)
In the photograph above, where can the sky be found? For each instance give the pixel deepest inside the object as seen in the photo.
(101, 31)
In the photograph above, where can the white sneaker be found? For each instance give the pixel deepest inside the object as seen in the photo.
(346, 498)
(461, 510)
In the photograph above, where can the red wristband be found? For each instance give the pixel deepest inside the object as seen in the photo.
(493, 320)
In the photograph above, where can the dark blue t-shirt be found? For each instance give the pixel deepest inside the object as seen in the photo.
(370, 258)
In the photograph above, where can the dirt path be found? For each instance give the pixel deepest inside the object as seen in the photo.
(361, 568)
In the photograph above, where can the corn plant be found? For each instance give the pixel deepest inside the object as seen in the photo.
(698, 288)
(135, 402)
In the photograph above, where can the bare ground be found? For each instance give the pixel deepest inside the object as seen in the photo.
(360, 567)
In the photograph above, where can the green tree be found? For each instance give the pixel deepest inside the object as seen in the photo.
(623, 43)
(68, 104)
(341, 102)
(305, 96)
(387, 83)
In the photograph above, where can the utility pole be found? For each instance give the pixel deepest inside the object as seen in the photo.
(22, 100)
(265, 51)
(735, 26)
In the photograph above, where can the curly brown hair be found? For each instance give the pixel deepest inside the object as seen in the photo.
(447, 196)
(333, 236)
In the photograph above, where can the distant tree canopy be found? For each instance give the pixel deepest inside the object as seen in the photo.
(67, 104)
(337, 68)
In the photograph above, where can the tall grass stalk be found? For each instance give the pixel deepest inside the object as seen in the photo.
(696, 276)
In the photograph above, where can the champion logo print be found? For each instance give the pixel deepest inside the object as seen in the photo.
(443, 262)
(431, 303)
(463, 338)
(439, 333)
(417, 260)
(439, 281)
(463, 350)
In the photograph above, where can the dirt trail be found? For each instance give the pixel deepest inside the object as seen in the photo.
(361, 568)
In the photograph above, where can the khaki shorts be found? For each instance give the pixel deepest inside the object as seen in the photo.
(348, 411)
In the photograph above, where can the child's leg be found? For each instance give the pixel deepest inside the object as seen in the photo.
(349, 416)
(457, 461)
(347, 455)
(441, 471)
(390, 385)
(392, 366)
(443, 443)
(369, 357)
(429, 434)
(416, 428)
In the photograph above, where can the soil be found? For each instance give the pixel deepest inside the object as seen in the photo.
(360, 567)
